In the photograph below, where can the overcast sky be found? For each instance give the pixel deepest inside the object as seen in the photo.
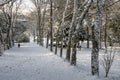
(27, 6)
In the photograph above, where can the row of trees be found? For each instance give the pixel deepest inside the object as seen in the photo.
(78, 20)
(8, 22)
(67, 22)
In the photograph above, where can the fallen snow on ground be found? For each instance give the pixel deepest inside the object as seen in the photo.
(32, 62)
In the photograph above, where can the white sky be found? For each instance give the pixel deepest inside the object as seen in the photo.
(27, 6)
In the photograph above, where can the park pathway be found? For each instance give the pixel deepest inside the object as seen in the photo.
(32, 62)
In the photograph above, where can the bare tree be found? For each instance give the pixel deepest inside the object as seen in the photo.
(62, 25)
(38, 4)
(73, 23)
(43, 19)
(77, 33)
(108, 59)
(8, 13)
(8, 18)
(15, 10)
(51, 25)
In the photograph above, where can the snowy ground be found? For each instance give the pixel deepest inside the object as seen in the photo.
(32, 62)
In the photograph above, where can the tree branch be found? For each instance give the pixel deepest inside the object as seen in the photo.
(5, 3)
(113, 3)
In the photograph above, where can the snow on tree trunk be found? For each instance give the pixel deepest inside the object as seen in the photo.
(106, 27)
(38, 5)
(9, 40)
(77, 33)
(72, 28)
(88, 32)
(2, 3)
(43, 24)
(57, 41)
(96, 39)
(62, 24)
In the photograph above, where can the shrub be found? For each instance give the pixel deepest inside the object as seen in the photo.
(108, 59)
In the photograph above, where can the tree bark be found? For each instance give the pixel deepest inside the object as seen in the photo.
(72, 29)
(96, 39)
(73, 58)
(1, 41)
(43, 24)
(62, 25)
(1, 52)
(88, 32)
(76, 33)
(47, 43)
(51, 25)
(6, 2)
(56, 46)
(87, 37)
(38, 4)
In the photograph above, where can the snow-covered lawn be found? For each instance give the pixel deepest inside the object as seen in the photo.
(32, 62)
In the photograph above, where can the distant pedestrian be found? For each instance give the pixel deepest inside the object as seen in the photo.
(80, 47)
(18, 45)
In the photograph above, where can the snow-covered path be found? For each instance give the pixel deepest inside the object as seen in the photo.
(31, 62)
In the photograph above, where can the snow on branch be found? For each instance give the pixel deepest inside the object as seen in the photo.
(108, 59)
(82, 16)
(5, 2)
(113, 3)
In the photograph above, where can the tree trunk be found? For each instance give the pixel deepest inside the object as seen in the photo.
(87, 37)
(1, 52)
(76, 33)
(56, 46)
(61, 49)
(68, 50)
(43, 24)
(105, 30)
(100, 43)
(1, 41)
(62, 25)
(95, 54)
(9, 40)
(73, 59)
(72, 29)
(87, 28)
(96, 39)
(51, 26)
(39, 27)
(47, 43)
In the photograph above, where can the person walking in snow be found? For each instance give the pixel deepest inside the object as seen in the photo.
(18, 45)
